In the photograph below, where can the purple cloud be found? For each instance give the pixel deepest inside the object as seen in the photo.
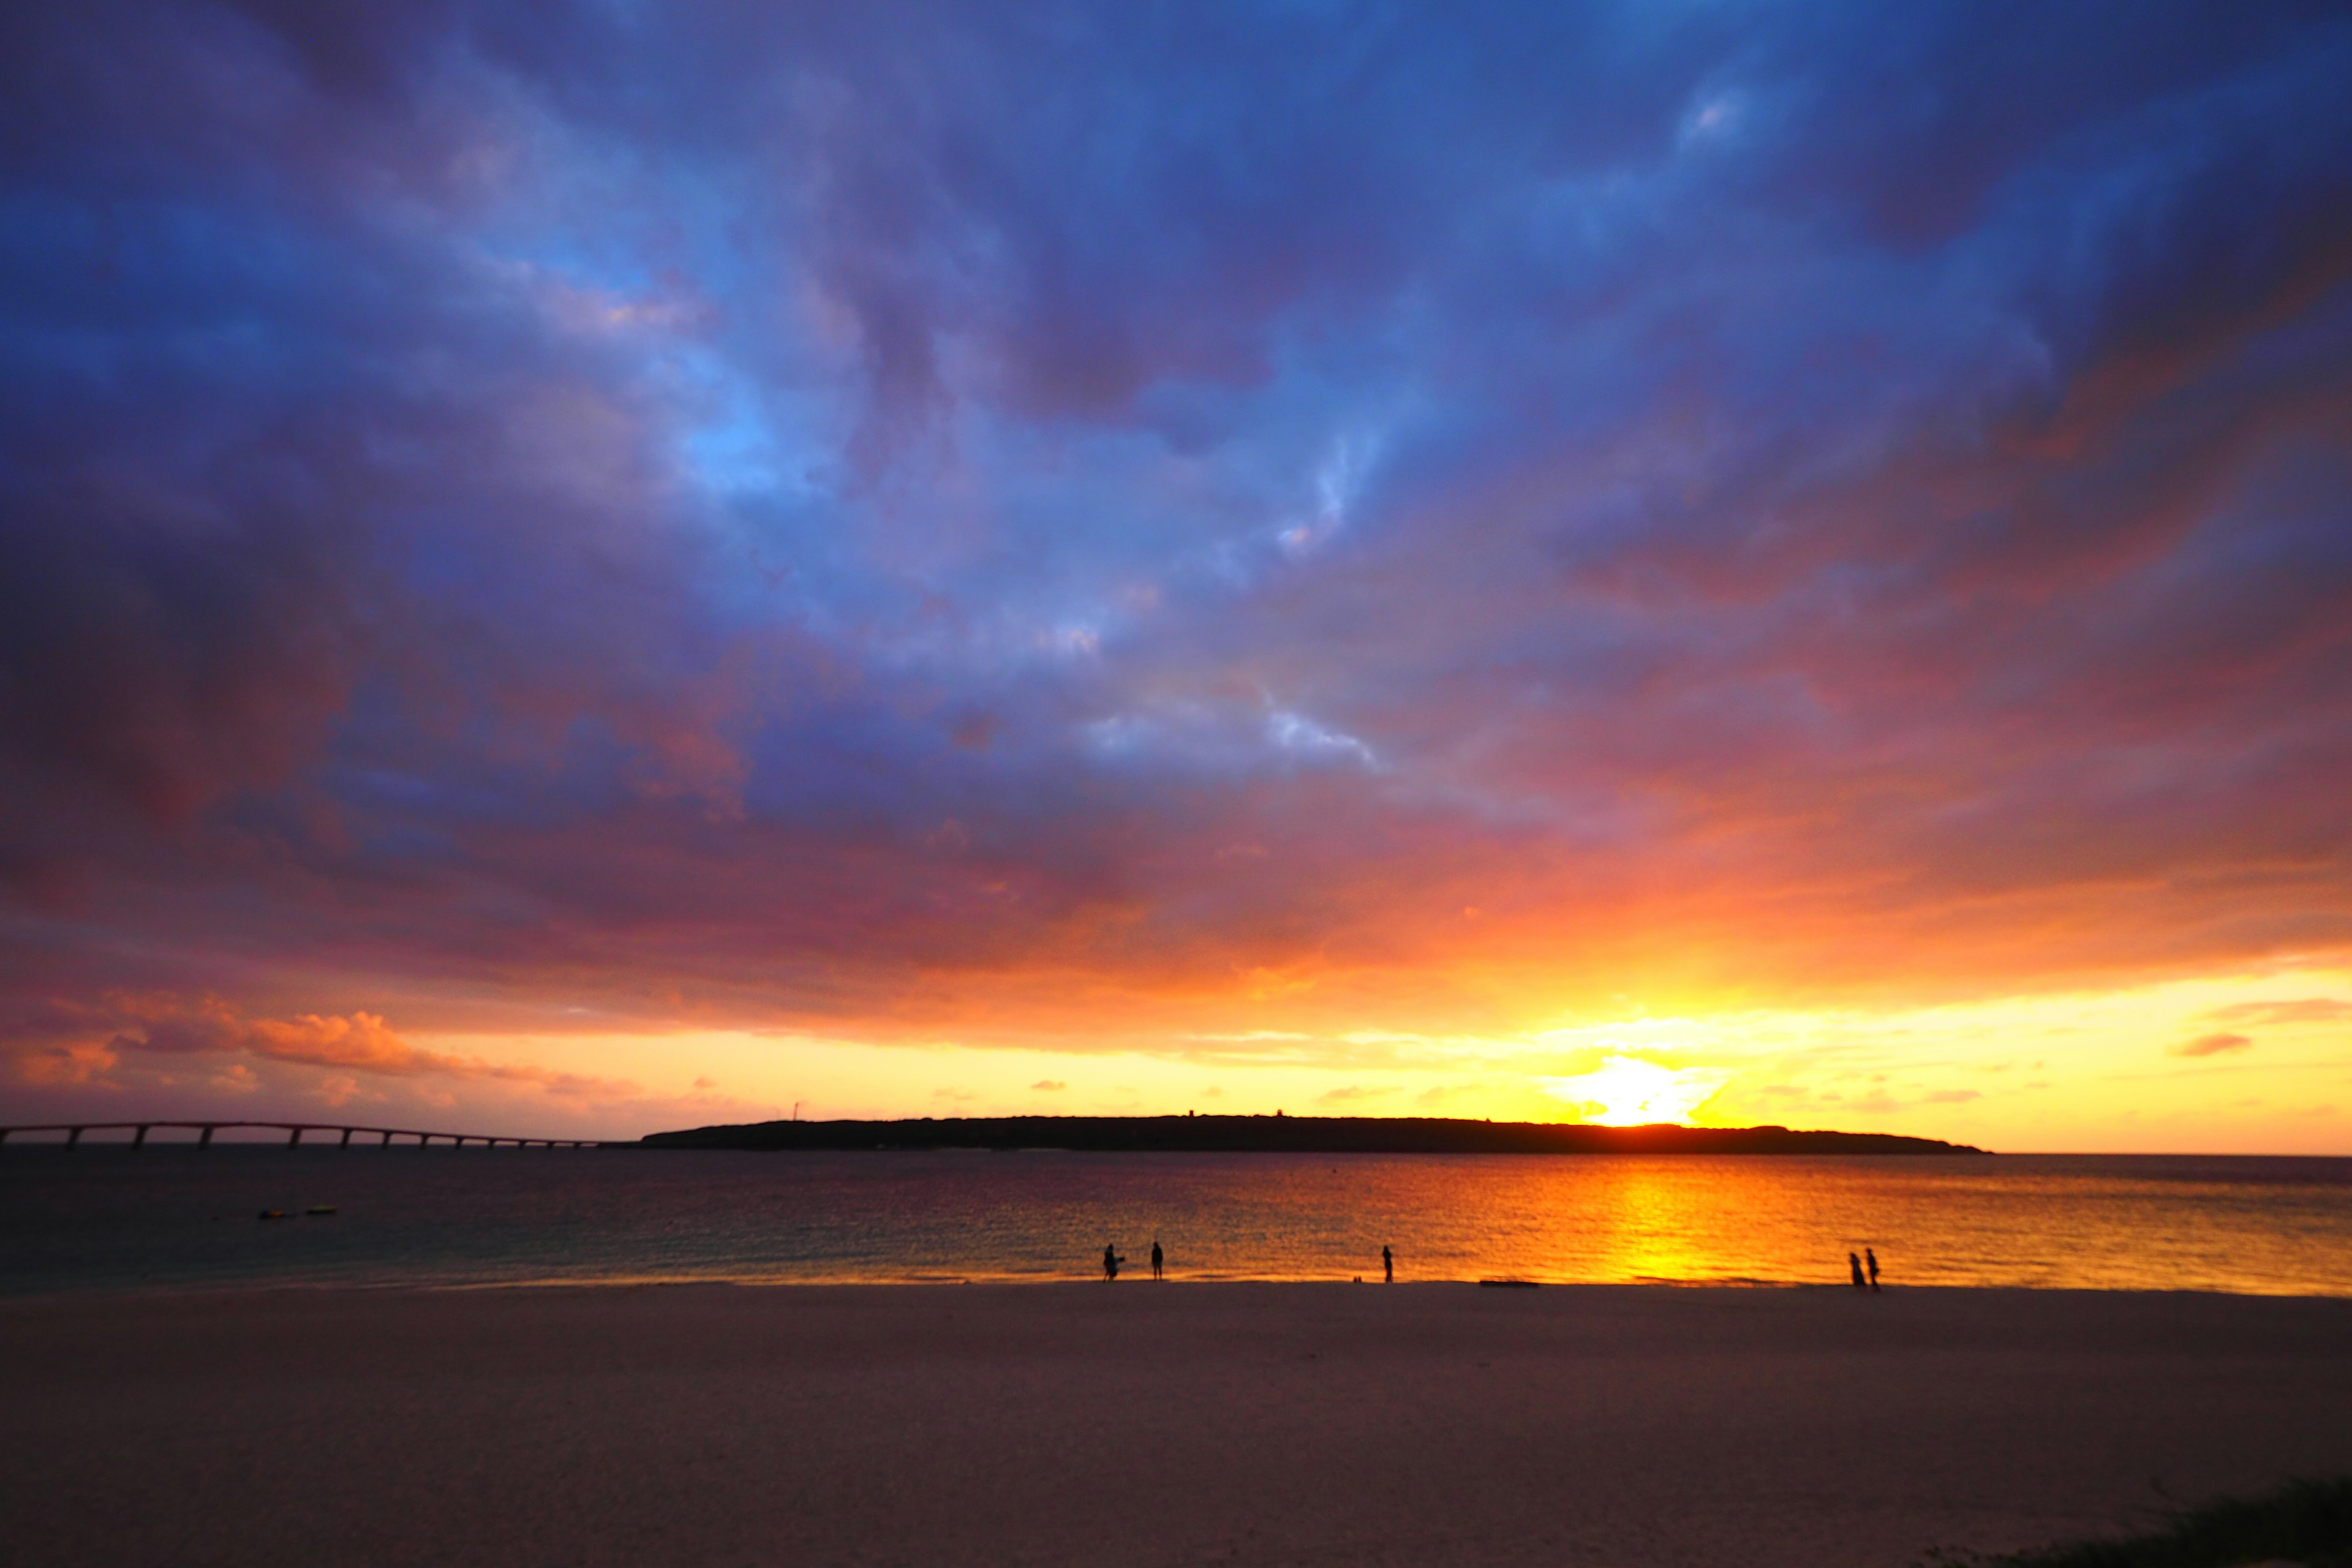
(927, 515)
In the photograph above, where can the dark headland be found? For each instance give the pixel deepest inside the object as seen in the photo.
(1291, 1135)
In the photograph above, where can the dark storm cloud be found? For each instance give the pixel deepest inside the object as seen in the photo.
(971, 513)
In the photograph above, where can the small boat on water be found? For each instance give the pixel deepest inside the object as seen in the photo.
(320, 1209)
(1507, 1284)
(274, 1213)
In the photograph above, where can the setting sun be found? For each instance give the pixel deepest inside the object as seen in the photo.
(1625, 1091)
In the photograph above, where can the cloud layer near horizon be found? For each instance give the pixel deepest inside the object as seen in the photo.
(1077, 523)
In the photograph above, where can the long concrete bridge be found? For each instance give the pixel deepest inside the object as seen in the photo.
(294, 1130)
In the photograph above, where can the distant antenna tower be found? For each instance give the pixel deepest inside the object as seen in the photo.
(796, 1109)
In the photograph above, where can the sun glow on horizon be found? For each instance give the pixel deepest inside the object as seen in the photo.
(1626, 1091)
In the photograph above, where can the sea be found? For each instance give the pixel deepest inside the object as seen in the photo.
(112, 1219)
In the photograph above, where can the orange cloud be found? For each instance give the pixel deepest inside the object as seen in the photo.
(2211, 1045)
(80, 1063)
(359, 1043)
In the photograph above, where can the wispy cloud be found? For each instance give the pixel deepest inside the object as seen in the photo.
(2213, 1044)
(2302, 1010)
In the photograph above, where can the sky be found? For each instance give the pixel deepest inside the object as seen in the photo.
(576, 569)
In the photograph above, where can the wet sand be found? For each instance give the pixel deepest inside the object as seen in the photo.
(1184, 1424)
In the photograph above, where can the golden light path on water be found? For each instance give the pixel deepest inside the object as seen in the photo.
(2115, 1224)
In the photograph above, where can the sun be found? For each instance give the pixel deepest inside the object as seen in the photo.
(1626, 1091)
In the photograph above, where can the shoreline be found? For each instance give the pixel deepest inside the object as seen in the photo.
(1256, 1422)
(208, 1290)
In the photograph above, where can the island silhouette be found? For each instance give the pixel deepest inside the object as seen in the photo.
(1280, 1134)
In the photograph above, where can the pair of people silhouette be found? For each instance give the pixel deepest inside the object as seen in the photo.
(1111, 1261)
(1856, 1265)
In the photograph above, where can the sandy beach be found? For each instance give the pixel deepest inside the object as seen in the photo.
(1420, 1424)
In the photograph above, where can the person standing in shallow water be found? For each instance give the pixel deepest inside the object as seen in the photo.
(1387, 1265)
(1155, 1257)
(1870, 1261)
(1111, 1261)
(1853, 1262)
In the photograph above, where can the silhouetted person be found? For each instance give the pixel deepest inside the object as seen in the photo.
(1155, 1258)
(1111, 1261)
(1872, 1260)
(1855, 1263)
(1388, 1266)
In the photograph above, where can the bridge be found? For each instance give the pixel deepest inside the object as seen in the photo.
(294, 1130)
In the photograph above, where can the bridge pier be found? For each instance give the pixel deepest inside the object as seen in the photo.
(138, 1138)
(347, 1139)
(205, 1139)
(293, 1137)
(387, 1137)
(73, 1136)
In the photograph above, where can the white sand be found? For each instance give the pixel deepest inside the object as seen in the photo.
(1135, 1424)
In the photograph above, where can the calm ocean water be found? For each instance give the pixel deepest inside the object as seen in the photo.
(108, 1218)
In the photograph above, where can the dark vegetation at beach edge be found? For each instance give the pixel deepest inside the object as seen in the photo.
(2306, 1522)
(1280, 1134)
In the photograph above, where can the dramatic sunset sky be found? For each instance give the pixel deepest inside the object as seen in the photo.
(580, 568)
